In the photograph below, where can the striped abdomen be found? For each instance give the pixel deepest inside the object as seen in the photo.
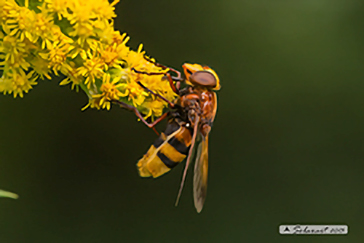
(168, 150)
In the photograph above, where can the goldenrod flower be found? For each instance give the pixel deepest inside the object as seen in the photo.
(17, 82)
(110, 91)
(41, 27)
(76, 39)
(92, 69)
(154, 107)
(72, 76)
(41, 67)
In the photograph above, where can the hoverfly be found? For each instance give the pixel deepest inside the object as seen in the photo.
(190, 119)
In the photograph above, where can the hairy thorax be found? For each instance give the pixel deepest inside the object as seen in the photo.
(199, 102)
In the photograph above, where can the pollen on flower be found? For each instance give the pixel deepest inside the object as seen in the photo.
(43, 23)
(57, 55)
(72, 77)
(154, 107)
(17, 83)
(94, 102)
(14, 51)
(57, 6)
(17, 21)
(76, 39)
(40, 66)
(134, 92)
(110, 92)
(110, 55)
(92, 69)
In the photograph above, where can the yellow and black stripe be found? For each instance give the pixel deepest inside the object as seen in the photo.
(168, 150)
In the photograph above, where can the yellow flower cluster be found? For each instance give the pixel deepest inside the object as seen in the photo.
(76, 39)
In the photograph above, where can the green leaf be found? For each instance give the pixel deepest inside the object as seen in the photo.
(8, 194)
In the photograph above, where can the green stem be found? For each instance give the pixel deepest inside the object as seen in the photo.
(8, 194)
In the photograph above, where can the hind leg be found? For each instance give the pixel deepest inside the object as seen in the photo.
(137, 113)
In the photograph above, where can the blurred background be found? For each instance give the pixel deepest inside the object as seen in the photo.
(287, 145)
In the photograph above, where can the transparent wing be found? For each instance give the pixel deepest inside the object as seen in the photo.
(189, 158)
(200, 174)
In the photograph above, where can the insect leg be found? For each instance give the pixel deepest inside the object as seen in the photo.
(156, 132)
(137, 113)
(178, 77)
(169, 77)
(153, 93)
(147, 73)
(178, 83)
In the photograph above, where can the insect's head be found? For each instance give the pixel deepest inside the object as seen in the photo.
(197, 74)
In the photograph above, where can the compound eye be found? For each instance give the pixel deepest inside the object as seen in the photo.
(204, 78)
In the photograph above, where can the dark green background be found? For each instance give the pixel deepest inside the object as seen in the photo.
(286, 147)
